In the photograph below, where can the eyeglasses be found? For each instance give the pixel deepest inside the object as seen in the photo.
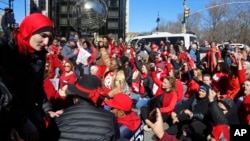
(67, 66)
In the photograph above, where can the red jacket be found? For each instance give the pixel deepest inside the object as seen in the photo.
(233, 88)
(219, 80)
(179, 90)
(193, 87)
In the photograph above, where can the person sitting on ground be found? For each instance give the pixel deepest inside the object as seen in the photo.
(85, 119)
(193, 112)
(129, 122)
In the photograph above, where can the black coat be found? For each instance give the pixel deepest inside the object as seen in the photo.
(199, 108)
(85, 122)
(24, 79)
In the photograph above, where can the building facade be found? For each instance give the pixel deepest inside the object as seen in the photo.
(58, 11)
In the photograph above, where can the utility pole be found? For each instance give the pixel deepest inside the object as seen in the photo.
(184, 19)
(185, 16)
(25, 9)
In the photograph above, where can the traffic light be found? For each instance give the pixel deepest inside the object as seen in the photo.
(186, 12)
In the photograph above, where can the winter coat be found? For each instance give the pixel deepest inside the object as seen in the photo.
(24, 73)
(84, 121)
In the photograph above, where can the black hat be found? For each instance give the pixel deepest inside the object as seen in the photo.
(227, 102)
(205, 88)
(87, 87)
(73, 39)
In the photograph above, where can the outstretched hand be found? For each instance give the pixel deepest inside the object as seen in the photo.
(157, 127)
(55, 114)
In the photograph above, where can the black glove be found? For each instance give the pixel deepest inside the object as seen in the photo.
(29, 131)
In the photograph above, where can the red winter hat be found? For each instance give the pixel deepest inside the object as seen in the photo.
(154, 46)
(120, 101)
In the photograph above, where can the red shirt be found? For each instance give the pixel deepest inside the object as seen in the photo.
(67, 79)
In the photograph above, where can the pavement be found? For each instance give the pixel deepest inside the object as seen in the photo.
(149, 135)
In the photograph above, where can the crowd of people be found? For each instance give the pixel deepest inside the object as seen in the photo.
(57, 88)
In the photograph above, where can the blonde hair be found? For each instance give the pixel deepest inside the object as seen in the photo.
(247, 67)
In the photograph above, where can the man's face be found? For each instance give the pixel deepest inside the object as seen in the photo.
(118, 113)
(72, 43)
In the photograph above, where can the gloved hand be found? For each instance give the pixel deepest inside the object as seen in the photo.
(30, 131)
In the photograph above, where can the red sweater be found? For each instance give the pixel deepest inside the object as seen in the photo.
(67, 79)
(179, 90)
(193, 87)
(170, 98)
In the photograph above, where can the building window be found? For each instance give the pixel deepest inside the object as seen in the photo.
(113, 3)
(63, 9)
(113, 25)
(113, 14)
(42, 4)
(63, 21)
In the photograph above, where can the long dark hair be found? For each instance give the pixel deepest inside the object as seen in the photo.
(172, 82)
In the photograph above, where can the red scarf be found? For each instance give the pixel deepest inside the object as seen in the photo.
(132, 121)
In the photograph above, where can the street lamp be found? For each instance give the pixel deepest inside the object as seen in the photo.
(157, 21)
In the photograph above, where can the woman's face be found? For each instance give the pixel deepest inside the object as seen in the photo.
(67, 67)
(166, 84)
(171, 73)
(218, 68)
(195, 72)
(85, 45)
(202, 93)
(144, 69)
(40, 41)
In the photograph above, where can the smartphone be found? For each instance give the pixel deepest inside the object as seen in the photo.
(152, 116)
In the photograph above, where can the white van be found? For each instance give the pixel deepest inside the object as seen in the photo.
(164, 36)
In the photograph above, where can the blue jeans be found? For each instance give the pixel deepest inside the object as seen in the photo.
(140, 101)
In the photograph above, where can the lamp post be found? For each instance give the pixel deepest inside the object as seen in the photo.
(157, 21)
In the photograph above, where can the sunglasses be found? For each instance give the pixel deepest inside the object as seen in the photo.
(67, 66)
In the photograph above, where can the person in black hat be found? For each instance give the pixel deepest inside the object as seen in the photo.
(85, 119)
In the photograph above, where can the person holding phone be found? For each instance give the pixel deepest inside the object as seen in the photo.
(158, 127)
